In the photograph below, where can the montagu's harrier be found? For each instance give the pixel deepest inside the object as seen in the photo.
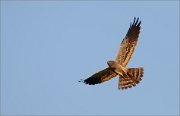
(128, 77)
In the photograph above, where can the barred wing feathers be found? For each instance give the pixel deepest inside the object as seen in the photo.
(129, 43)
(100, 76)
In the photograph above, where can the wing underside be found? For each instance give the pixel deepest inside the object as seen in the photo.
(129, 43)
(100, 77)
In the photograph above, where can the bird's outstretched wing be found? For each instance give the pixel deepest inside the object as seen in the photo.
(100, 77)
(129, 43)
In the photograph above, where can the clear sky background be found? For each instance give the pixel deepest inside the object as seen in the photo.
(48, 46)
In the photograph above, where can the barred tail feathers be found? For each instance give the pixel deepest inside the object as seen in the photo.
(134, 77)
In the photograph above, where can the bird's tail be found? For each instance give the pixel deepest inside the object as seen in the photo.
(132, 77)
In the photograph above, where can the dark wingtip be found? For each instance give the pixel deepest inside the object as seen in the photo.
(88, 81)
(134, 28)
(135, 22)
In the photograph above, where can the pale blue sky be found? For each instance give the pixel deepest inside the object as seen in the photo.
(47, 46)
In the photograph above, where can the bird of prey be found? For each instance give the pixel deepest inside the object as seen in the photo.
(128, 77)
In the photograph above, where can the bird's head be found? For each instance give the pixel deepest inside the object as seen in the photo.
(111, 64)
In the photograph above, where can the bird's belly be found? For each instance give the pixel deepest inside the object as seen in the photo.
(120, 70)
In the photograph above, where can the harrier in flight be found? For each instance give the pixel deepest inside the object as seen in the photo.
(128, 77)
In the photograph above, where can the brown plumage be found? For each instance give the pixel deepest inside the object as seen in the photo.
(128, 77)
(103, 75)
(129, 43)
(135, 77)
